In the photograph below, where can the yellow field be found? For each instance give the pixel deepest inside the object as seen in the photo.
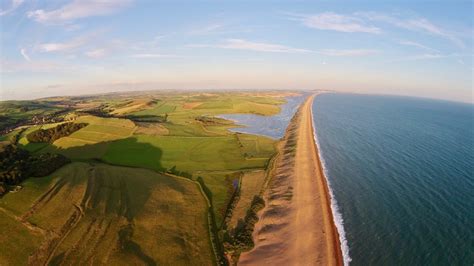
(95, 213)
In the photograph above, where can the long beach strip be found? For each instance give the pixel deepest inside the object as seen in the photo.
(296, 227)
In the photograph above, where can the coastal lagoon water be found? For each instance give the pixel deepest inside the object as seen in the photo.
(272, 126)
(402, 172)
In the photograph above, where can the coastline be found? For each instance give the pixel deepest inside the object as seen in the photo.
(297, 226)
(337, 219)
(340, 244)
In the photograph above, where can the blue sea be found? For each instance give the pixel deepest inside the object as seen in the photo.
(402, 172)
(401, 175)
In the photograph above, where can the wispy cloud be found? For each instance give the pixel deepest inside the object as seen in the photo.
(413, 24)
(147, 45)
(337, 22)
(212, 28)
(61, 46)
(154, 56)
(240, 44)
(417, 45)
(85, 40)
(349, 52)
(13, 6)
(418, 57)
(364, 22)
(78, 9)
(219, 28)
(96, 53)
(25, 55)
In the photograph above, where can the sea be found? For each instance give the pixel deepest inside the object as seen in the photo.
(400, 172)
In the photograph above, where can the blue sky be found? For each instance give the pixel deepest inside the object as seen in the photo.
(417, 48)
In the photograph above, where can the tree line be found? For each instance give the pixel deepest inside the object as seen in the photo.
(17, 164)
(52, 134)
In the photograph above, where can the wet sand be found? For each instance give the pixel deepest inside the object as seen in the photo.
(296, 226)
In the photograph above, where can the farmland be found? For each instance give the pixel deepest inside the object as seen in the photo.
(130, 194)
(98, 213)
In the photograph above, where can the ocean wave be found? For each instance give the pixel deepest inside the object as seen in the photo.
(337, 216)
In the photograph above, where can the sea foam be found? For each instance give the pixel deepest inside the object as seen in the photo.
(337, 216)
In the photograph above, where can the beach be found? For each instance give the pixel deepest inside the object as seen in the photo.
(296, 227)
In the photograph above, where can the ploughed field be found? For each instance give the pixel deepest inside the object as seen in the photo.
(130, 194)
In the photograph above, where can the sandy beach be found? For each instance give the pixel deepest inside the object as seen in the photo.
(296, 226)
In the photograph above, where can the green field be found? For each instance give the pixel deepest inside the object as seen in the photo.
(186, 153)
(108, 215)
(158, 109)
(251, 184)
(115, 201)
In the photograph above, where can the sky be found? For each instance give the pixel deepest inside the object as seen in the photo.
(71, 47)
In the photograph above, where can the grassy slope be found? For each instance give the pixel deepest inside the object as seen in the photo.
(16, 241)
(92, 140)
(207, 150)
(129, 216)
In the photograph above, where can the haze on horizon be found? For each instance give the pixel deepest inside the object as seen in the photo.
(72, 47)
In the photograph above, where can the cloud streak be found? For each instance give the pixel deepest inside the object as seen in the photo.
(413, 24)
(14, 5)
(349, 52)
(25, 55)
(337, 22)
(363, 22)
(207, 30)
(61, 46)
(97, 53)
(240, 44)
(417, 45)
(149, 55)
(78, 9)
(418, 57)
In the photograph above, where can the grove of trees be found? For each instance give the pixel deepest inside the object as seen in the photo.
(52, 134)
(17, 164)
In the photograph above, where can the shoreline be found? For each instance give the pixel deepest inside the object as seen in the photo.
(337, 219)
(297, 226)
(330, 200)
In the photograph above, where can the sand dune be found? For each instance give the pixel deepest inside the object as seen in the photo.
(296, 226)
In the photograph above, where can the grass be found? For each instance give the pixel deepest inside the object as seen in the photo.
(131, 106)
(218, 182)
(255, 146)
(252, 182)
(159, 109)
(13, 112)
(152, 216)
(225, 104)
(98, 131)
(16, 241)
(186, 153)
(130, 216)
(32, 189)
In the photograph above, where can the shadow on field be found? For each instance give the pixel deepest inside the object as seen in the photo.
(104, 203)
(124, 152)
